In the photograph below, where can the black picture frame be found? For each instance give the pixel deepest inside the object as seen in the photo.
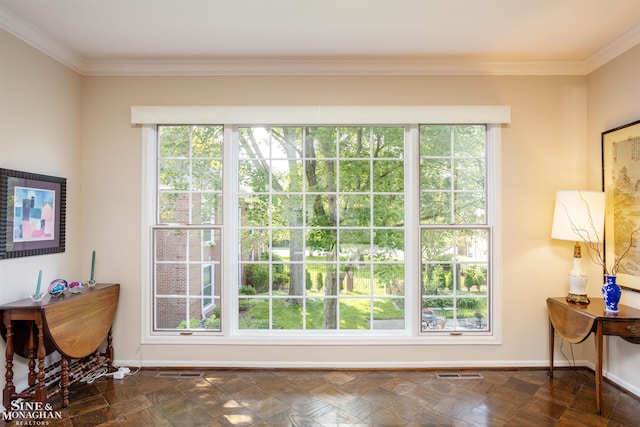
(621, 183)
(40, 201)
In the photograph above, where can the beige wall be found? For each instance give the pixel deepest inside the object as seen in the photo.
(543, 151)
(40, 133)
(614, 100)
(548, 146)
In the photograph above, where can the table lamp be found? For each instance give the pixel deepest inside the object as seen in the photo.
(578, 217)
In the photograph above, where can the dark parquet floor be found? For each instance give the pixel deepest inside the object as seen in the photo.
(345, 398)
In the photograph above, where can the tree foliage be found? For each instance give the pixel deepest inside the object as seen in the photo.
(337, 191)
(313, 186)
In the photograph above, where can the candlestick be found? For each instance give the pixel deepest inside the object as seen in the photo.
(93, 264)
(37, 294)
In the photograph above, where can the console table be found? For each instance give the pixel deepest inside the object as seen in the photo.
(74, 325)
(575, 322)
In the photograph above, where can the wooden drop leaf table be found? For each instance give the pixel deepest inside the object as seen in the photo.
(74, 325)
(575, 322)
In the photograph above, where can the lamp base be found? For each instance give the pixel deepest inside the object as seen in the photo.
(578, 298)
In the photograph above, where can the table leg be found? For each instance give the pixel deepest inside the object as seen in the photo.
(32, 355)
(551, 347)
(108, 354)
(9, 387)
(598, 337)
(64, 381)
(41, 389)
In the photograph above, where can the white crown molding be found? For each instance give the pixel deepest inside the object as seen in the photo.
(617, 47)
(329, 67)
(386, 66)
(41, 41)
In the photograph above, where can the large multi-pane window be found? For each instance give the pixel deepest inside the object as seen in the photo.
(323, 230)
(188, 228)
(455, 234)
(321, 214)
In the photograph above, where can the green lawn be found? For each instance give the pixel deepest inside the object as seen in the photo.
(354, 312)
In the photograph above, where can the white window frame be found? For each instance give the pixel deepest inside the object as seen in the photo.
(151, 116)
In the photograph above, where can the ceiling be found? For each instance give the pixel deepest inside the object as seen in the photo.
(213, 37)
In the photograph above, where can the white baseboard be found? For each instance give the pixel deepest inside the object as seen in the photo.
(374, 365)
(340, 365)
(620, 382)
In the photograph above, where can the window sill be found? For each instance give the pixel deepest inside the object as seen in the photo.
(208, 338)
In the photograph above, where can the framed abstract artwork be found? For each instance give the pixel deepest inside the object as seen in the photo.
(621, 183)
(32, 214)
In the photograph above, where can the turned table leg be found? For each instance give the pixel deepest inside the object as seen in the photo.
(108, 354)
(41, 388)
(9, 387)
(32, 355)
(64, 381)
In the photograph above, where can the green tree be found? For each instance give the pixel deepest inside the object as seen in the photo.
(336, 169)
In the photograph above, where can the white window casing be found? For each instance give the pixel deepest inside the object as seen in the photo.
(150, 116)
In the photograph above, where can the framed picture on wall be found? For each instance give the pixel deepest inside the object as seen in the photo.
(32, 214)
(621, 183)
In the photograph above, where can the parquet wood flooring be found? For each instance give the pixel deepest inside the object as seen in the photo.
(346, 398)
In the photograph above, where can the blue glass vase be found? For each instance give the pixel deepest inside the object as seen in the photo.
(611, 293)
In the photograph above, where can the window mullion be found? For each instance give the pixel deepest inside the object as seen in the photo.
(230, 235)
(412, 222)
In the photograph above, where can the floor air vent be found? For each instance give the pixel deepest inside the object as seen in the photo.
(179, 374)
(458, 376)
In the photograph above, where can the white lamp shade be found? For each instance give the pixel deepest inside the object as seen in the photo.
(579, 216)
